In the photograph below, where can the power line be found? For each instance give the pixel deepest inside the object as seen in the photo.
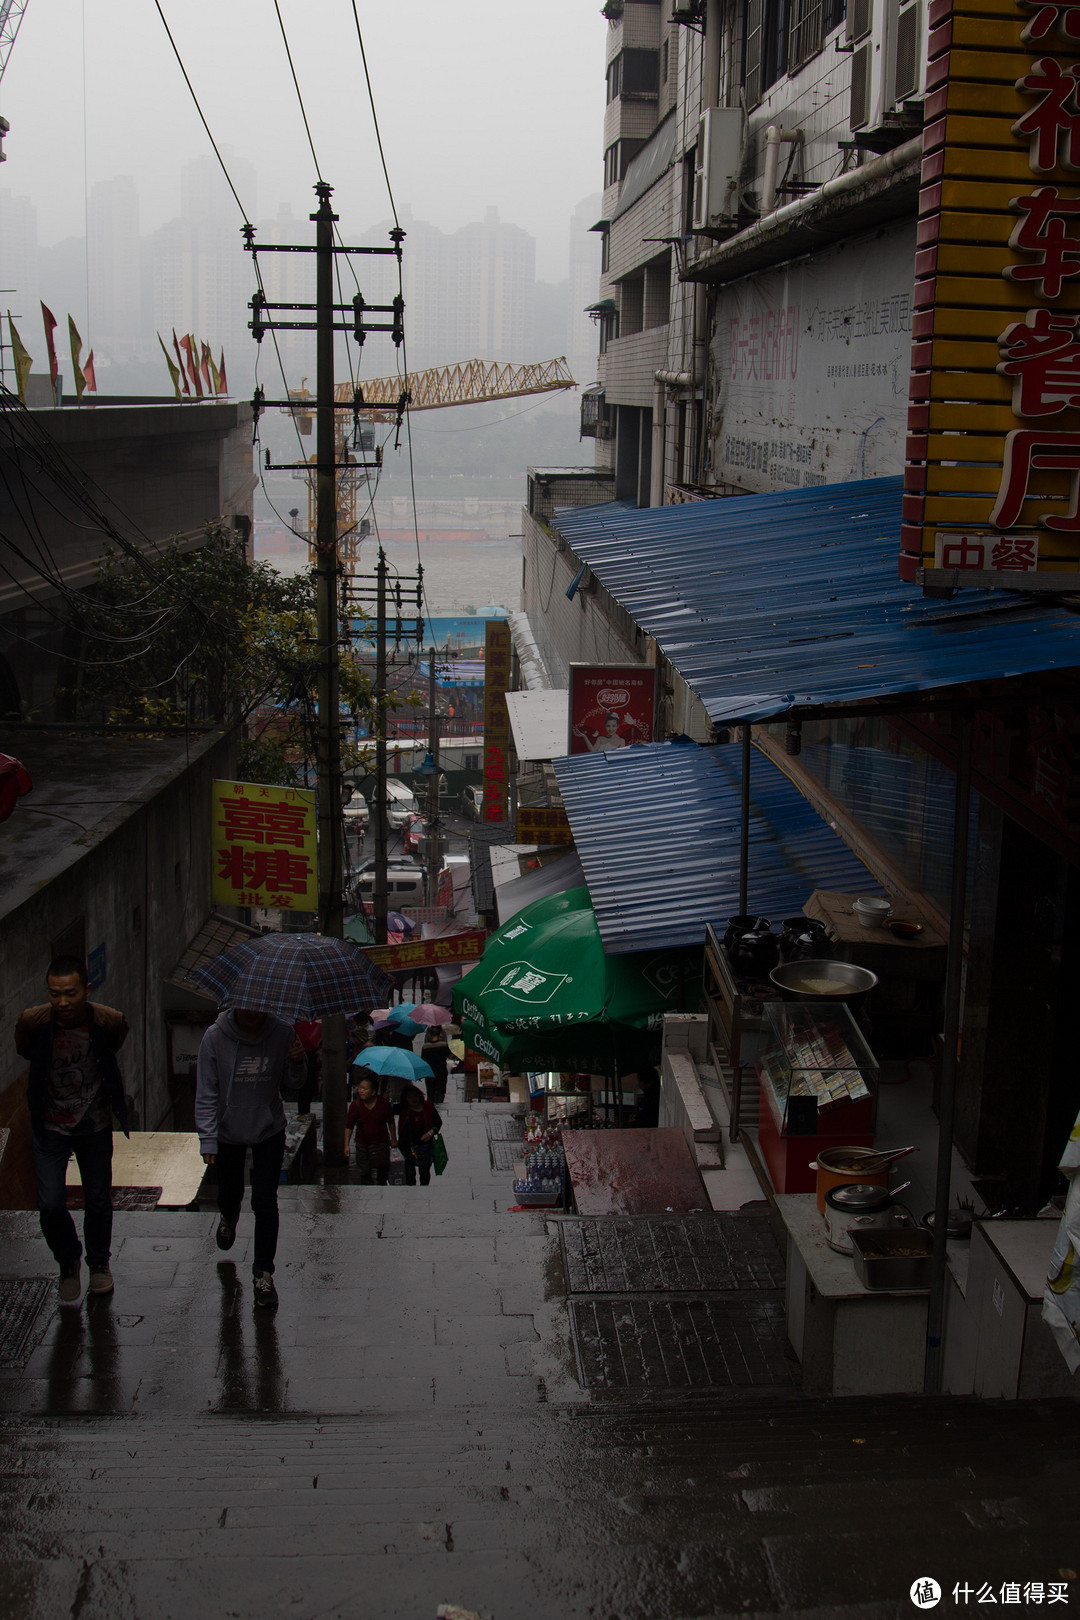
(299, 97)
(374, 114)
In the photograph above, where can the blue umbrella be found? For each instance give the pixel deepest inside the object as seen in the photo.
(393, 1060)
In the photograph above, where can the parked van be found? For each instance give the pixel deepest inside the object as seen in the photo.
(400, 802)
(404, 884)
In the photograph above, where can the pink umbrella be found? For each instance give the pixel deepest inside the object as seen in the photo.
(428, 1013)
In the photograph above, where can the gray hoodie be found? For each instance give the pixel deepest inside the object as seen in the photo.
(240, 1080)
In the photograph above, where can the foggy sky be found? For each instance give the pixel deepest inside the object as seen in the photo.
(481, 103)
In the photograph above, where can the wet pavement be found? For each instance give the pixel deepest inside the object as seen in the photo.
(410, 1428)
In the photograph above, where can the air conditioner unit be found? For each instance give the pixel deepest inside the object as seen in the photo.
(859, 21)
(717, 162)
(888, 72)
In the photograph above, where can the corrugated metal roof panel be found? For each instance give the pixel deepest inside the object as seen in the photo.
(657, 831)
(766, 603)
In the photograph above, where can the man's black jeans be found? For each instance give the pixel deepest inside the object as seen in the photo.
(93, 1155)
(266, 1161)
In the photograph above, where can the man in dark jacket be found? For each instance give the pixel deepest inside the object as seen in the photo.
(245, 1059)
(73, 1092)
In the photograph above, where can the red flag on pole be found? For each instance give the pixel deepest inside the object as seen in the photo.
(191, 349)
(88, 373)
(223, 384)
(180, 358)
(50, 327)
(206, 363)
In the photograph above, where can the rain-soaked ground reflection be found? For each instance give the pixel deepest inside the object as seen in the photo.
(251, 1378)
(83, 1372)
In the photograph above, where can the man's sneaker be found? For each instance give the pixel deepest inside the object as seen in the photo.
(70, 1283)
(101, 1280)
(265, 1292)
(226, 1234)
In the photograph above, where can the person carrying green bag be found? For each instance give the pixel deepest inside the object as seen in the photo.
(419, 1125)
(439, 1155)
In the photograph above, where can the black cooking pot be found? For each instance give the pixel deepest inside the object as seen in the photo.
(804, 939)
(753, 952)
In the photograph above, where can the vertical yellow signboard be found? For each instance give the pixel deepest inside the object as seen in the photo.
(263, 847)
(992, 482)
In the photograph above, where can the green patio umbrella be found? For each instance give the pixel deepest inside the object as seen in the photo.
(545, 996)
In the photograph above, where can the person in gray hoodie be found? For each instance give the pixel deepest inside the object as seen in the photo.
(246, 1060)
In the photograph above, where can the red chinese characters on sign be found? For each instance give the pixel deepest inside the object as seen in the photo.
(1054, 115)
(1062, 16)
(264, 823)
(1041, 233)
(1042, 354)
(1028, 450)
(264, 846)
(258, 868)
(1011, 553)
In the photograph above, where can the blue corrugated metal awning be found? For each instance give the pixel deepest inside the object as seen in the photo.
(657, 832)
(768, 603)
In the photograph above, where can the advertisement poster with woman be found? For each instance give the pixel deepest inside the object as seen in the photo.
(611, 706)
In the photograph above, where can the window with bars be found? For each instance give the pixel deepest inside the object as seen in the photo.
(765, 50)
(804, 31)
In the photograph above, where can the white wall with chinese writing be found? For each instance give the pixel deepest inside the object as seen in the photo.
(809, 368)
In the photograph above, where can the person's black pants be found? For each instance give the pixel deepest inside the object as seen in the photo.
(266, 1160)
(418, 1157)
(93, 1155)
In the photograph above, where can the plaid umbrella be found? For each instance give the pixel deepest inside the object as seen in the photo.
(393, 1060)
(302, 976)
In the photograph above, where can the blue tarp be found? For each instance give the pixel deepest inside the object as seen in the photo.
(769, 603)
(657, 833)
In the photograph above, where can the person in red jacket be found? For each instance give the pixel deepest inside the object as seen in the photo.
(417, 1128)
(371, 1120)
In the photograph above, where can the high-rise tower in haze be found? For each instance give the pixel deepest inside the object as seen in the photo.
(114, 254)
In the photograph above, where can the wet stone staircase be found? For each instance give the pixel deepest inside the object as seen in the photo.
(665, 1304)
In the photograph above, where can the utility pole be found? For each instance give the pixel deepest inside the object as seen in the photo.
(328, 702)
(434, 841)
(358, 589)
(266, 317)
(379, 808)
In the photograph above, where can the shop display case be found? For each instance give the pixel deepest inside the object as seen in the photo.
(818, 1082)
(569, 1107)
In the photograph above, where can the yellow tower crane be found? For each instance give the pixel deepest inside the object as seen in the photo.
(472, 382)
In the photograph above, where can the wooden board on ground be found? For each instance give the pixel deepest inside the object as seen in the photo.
(633, 1172)
(167, 1159)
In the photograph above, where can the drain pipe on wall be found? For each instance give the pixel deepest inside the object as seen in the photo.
(775, 137)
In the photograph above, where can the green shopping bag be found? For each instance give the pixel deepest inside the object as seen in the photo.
(439, 1154)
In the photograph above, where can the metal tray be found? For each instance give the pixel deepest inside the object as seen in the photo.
(903, 1273)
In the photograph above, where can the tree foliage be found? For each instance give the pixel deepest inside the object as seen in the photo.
(205, 637)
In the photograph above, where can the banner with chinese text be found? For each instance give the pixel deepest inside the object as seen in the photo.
(422, 953)
(542, 824)
(497, 652)
(992, 481)
(263, 847)
(611, 706)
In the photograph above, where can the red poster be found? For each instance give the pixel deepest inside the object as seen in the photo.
(611, 706)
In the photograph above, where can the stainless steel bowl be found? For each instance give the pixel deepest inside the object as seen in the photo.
(792, 977)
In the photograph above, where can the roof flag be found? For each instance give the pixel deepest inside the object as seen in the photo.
(50, 327)
(76, 355)
(21, 358)
(173, 371)
(180, 360)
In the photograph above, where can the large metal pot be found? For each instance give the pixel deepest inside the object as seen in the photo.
(861, 1208)
(823, 980)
